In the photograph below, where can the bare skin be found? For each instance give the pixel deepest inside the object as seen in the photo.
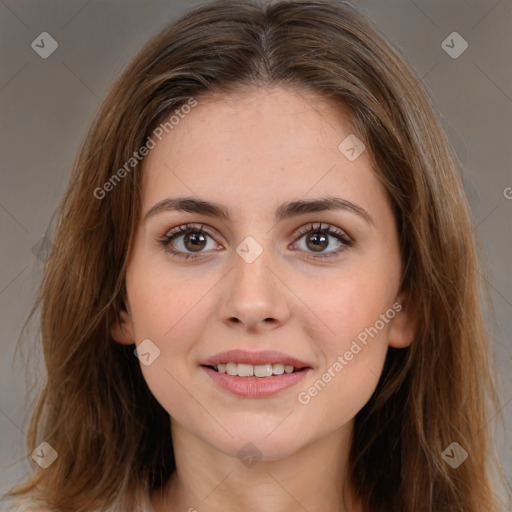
(251, 152)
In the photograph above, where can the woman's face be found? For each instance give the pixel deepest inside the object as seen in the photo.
(262, 280)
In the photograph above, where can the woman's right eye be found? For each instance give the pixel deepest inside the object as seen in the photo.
(191, 237)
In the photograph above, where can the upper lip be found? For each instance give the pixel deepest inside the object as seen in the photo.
(254, 358)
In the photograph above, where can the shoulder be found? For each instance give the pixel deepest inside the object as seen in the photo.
(19, 505)
(25, 504)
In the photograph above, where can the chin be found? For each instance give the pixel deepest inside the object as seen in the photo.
(261, 442)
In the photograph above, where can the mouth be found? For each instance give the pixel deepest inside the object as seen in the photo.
(255, 374)
(259, 371)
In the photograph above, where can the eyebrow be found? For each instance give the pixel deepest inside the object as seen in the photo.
(285, 211)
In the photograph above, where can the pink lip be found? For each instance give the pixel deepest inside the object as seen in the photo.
(262, 357)
(255, 387)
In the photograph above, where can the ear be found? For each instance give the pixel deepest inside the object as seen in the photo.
(403, 325)
(122, 331)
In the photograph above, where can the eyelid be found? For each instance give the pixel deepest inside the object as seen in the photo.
(322, 227)
(189, 226)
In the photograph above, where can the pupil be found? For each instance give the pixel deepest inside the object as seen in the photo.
(197, 240)
(324, 241)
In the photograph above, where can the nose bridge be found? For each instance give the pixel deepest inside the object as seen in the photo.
(254, 293)
(251, 276)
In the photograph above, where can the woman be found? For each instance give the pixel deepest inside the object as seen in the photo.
(267, 208)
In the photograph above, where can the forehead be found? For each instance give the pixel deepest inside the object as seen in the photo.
(265, 121)
(260, 143)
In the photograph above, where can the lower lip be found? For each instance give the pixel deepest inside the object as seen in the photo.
(255, 387)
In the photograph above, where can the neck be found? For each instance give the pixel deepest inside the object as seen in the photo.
(313, 478)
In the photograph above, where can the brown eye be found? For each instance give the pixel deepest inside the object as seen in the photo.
(194, 241)
(186, 240)
(317, 241)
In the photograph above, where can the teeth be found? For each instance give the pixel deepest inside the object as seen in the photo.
(245, 370)
(258, 370)
(231, 368)
(278, 369)
(262, 370)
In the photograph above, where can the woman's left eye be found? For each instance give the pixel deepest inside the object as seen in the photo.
(193, 238)
(317, 239)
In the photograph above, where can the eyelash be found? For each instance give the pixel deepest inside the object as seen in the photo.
(337, 233)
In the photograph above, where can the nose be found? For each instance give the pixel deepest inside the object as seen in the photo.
(254, 298)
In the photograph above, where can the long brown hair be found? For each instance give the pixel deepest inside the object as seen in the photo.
(112, 436)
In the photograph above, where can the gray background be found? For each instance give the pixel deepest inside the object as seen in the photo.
(46, 106)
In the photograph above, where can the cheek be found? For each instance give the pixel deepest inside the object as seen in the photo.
(353, 360)
(336, 395)
(162, 302)
(165, 309)
(347, 326)
(165, 313)
(343, 306)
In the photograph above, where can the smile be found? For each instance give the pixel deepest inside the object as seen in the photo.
(255, 374)
(258, 370)
(255, 381)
